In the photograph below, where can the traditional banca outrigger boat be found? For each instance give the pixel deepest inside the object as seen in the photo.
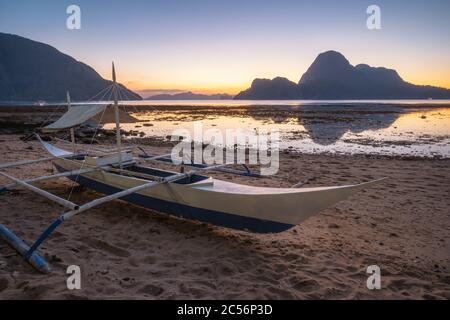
(118, 174)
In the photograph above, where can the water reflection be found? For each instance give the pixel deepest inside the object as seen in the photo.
(327, 124)
(369, 129)
(326, 127)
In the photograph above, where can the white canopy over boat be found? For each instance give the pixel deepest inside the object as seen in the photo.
(77, 115)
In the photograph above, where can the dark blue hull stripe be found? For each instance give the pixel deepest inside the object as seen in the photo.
(181, 210)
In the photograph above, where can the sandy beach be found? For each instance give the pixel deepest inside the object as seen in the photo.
(402, 225)
(303, 148)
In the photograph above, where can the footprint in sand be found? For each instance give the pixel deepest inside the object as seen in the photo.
(304, 285)
(133, 262)
(404, 284)
(36, 292)
(151, 290)
(149, 260)
(226, 269)
(3, 284)
(104, 246)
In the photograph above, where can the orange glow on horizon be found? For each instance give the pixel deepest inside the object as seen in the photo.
(235, 89)
(139, 83)
(434, 79)
(180, 87)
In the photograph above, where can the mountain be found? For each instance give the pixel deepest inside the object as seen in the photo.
(31, 71)
(331, 76)
(265, 89)
(190, 96)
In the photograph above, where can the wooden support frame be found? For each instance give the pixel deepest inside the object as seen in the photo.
(26, 162)
(91, 148)
(166, 158)
(53, 176)
(45, 194)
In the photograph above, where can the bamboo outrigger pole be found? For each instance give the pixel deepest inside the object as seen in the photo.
(91, 148)
(53, 176)
(117, 116)
(45, 194)
(26, 162)
(72, 130)
(32, 250)
(20, 246)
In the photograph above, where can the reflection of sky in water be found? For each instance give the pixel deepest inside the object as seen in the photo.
(318, 129)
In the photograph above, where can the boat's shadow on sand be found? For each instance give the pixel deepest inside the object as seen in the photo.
(157, 255)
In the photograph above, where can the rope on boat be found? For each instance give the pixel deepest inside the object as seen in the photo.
(29, 253)
(88, 150)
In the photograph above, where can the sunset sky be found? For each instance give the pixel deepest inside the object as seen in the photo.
(212, 46)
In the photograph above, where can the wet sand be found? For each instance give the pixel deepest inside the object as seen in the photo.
(401, 225)
(419, 129)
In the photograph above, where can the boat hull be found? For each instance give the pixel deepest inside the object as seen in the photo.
(183, 210)
(237, 206)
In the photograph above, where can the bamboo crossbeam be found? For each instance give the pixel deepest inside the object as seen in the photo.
(25, 162)
(134, 174)
(150, 158)
(45, 194)
(166, 158)
(90, 147)
(53, 176)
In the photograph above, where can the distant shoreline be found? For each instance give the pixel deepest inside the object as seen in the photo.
(37, 114)
(424, 103)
